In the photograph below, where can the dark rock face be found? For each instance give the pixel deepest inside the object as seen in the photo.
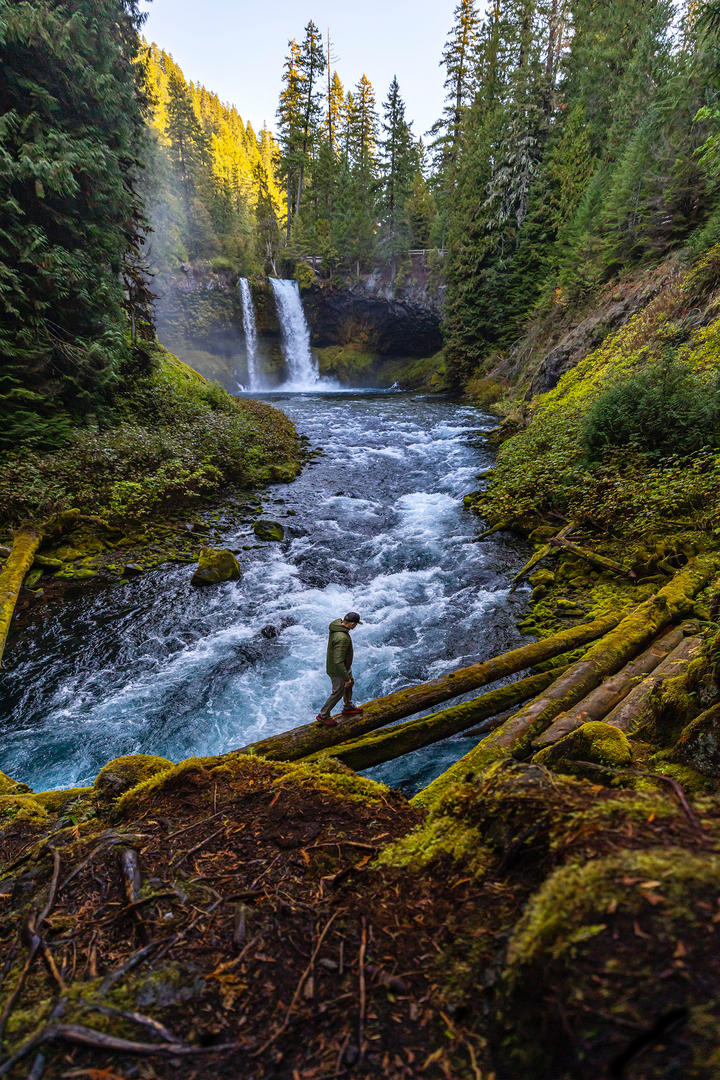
(387, 327)
(583, 338)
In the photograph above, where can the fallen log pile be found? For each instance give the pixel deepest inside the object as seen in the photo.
(309, 739)
(518, 734)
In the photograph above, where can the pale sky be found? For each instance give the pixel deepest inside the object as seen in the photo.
(237, 47)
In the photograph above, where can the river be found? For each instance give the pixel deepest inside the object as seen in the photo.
(375, 525)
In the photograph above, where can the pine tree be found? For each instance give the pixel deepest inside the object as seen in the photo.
(311, 67)
(459, 57)
(399, 163)
(73, 102)
(290, 127)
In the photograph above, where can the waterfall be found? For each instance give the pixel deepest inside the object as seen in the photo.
(250, 332)
(302, 368)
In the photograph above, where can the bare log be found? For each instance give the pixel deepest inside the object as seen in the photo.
(611, 692)
(132, 879)
(603, 658)
(374, 749)
(630, 713)
(310, 738)
(25, 544)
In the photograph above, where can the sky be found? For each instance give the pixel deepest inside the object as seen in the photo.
(237, 47)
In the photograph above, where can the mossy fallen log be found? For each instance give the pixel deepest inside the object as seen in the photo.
(634, 710)
(310, 738)
(374, 749)
(611, 692)
(602, 659)
(20, 559)
(601, 562)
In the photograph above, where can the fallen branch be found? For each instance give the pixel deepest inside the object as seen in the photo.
(374, 749)
(302, 741)
(542, 553)
(611, 692)
(602, 562)
(19, 561)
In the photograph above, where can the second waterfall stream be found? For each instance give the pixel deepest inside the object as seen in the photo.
(302, 369)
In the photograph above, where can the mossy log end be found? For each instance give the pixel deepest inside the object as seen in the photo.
(25, 544)
(612, 691)
(374, 749)
(603, 658)
(303, 741)
(632, 712)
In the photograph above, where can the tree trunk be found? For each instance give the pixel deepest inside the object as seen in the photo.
(310, 738)
(610, 693)
(633, 710)
(371, 749)
(19, 561)
(604, 658)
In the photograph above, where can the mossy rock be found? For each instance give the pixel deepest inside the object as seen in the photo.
(595, 741)
(23, 808)
(268, 530)
(48, 563)
(215, 565)
(542, 577)
(699, 744)
(637, 919)
(123, 773)
(8, 786)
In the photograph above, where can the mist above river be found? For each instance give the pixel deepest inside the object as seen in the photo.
(375, 525)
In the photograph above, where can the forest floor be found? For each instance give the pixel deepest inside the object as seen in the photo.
(247, 919)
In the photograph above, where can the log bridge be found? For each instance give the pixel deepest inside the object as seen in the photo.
(630, 653)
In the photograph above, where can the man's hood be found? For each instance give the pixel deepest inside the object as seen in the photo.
(336, 625)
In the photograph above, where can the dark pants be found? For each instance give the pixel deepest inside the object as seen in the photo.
(338, 691)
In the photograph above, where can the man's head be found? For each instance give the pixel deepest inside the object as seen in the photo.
(351, 620)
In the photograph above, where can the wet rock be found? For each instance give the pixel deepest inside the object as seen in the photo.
(132, 569)
(389, 327)
(4, 551)
(269, 631)
(215, 565)
(268, 530)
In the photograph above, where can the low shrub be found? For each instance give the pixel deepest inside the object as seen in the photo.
(662, 409)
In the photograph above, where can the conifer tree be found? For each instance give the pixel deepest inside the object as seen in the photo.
(399, 163)
(72, 102)
(290, 116)
(311, 67)
(459, 57)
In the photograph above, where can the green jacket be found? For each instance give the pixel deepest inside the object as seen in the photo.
(339, 651)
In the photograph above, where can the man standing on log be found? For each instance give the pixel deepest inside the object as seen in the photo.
(339, 668)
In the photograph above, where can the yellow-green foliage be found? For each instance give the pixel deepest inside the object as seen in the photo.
(576, 902)
(542, 468)
(442, 836)
(331, 777)
(594, 741)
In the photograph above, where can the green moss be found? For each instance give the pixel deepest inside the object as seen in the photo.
(25, 808)
(594, 741)
(216, 565)
(125, 773)
(575, 902)
(8, 786)
(443, 836)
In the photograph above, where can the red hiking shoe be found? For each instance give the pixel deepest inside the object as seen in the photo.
(354, 710)
(326, 721)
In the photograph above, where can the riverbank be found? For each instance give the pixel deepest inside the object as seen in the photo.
(138, 490)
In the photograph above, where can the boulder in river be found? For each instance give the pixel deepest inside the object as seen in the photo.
(216, 564)
(268, 530)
